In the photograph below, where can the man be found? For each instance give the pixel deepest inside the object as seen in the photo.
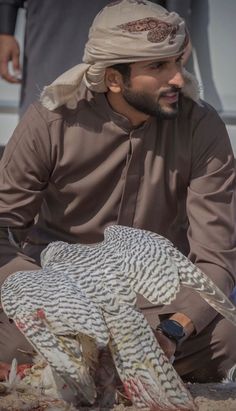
(123, 138)
(51, 27)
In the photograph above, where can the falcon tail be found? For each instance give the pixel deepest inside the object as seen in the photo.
(149, 379)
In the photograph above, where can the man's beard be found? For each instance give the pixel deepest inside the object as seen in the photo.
(147, 104)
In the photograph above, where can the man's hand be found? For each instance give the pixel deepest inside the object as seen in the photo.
(9, 52)
(167, 345)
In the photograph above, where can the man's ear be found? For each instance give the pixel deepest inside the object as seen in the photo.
(113, 80)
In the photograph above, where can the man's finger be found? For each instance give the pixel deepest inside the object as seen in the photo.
(5, 74)
(16, 65)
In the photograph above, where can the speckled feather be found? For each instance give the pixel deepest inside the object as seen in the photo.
(91, 290)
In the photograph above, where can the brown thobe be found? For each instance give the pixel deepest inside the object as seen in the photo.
(80, 170)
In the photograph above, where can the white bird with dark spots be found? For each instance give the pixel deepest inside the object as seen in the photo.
(90, 291)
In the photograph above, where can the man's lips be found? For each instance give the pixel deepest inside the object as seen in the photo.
(170, 97)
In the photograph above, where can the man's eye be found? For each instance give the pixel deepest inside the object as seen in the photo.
(158, 65)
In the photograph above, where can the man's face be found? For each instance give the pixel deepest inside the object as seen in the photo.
(154, 87)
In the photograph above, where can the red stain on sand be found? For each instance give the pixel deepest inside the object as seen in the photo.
(22, 368)
(5, 369)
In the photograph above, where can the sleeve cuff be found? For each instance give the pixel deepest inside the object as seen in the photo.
(8, 15)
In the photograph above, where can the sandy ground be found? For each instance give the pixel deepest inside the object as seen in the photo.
(215, 397)
(208, 397)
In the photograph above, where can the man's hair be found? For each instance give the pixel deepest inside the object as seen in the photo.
(125, 70)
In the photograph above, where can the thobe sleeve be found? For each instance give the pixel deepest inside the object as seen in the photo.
(8, 15)
(211, 210)
(24, 173)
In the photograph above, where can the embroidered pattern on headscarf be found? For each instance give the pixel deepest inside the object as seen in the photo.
(158, 30)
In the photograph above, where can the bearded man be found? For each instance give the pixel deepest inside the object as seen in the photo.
(124, 139)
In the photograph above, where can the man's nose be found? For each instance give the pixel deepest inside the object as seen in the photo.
(177, 79)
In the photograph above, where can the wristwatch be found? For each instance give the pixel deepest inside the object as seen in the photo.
(173, 330)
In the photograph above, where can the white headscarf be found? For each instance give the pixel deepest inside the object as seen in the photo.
(125, 31)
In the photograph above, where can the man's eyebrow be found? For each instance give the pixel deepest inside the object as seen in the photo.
(149, 63)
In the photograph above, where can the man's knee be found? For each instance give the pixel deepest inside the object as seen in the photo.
(209, 355)
(223, 345)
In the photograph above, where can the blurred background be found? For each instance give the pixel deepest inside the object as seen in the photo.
(213, 33)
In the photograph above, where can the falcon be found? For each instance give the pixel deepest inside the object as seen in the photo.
(88, 293)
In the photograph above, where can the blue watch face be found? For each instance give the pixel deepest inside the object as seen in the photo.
(172, 329)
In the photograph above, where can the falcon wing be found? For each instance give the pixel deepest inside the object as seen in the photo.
(156, 278)
(59, 352)
(157, 269)
(148, 377)
(191, 276)
(51, 311)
